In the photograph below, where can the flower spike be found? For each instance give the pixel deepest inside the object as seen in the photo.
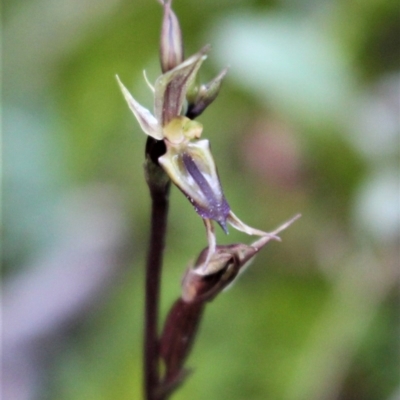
(187, 161)
(175, 152)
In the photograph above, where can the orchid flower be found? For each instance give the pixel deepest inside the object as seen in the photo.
(188, 160)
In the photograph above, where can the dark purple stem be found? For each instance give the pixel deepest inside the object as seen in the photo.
(159, 185)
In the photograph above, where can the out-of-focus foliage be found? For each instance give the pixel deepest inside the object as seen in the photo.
(307, 121)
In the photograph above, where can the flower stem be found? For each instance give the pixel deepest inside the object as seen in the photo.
(159, 185)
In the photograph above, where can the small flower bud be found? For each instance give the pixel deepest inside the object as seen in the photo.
(206, 95)
(221, 270)
(171, 47)
(213, 273)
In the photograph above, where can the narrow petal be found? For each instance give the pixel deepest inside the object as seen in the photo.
(193, 170)
(146, 120)
(147, 81)
(241, 226)
(246, 255)
(241, 255)
(171, 87)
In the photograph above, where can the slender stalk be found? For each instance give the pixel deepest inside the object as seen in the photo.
(159, 185)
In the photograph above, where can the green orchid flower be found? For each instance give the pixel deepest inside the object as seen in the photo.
(188, 161)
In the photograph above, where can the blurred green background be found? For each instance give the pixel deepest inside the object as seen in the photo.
(307, 121)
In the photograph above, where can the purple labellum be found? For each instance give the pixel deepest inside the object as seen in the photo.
(217, 208)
